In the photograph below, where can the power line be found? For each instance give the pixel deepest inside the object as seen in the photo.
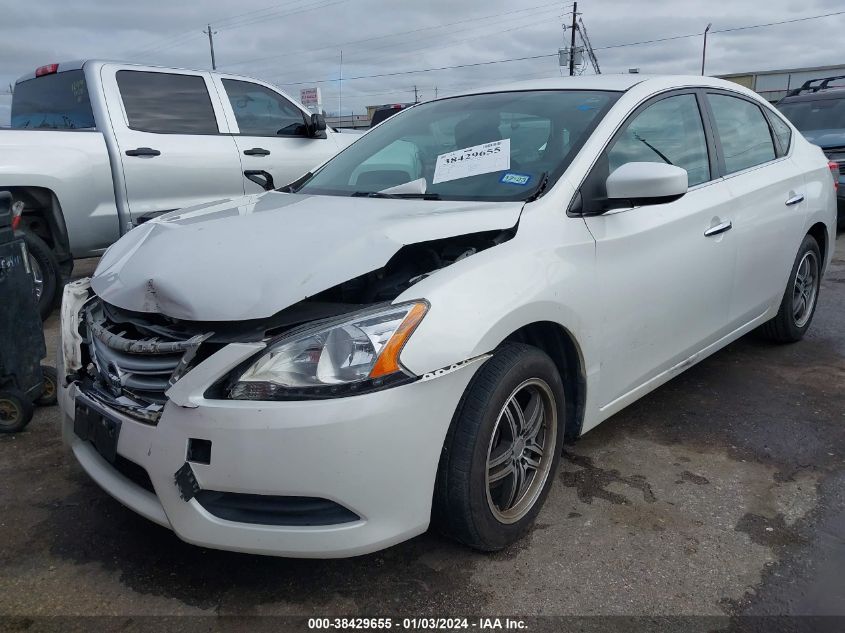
(230, 22)
(729, 30)
(321, 4)
(438, 44)
(423, 70)
(346, 45)
(531, 57)
(757, 26)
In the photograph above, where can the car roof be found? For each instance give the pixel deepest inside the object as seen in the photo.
(611, 82)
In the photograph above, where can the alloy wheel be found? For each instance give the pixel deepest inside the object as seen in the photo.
(805, 289)
(520, 454)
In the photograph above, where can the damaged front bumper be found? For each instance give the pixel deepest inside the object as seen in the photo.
(317, 478)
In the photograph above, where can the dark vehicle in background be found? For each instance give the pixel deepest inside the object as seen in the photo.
(385, 112)
(817, 109)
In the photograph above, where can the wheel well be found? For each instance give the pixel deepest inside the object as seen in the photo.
(42, 215)
(819, 232)
(559, 344)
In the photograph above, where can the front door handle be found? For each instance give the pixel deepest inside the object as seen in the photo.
(719, 228)
(798, 197)
(257, 151)
(143, 151)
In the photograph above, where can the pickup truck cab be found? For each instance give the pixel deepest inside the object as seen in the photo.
(98, 147)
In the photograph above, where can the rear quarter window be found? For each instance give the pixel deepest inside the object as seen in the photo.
(53, 102)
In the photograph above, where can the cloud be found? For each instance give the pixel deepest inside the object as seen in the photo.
(298, 42)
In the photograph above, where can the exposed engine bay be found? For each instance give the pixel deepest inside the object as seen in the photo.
(131, 358)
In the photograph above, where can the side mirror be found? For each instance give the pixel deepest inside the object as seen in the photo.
(263, 179)
(647, 183)
(317, 126)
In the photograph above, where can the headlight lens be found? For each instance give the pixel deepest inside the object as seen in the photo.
(355, 355)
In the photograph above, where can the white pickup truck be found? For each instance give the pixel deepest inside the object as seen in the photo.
(98, 147)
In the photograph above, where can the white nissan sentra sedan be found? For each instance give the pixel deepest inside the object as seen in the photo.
(409, 335)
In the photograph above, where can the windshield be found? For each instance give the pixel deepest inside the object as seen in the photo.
(497, 146)
(55, 102)
(817, 114)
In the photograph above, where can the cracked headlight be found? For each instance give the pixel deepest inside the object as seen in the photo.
(355, 354)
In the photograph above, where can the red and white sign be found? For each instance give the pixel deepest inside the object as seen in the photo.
(310, 97)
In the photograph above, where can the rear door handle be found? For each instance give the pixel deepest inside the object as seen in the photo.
(143, 151)
(798, 197)
(719, 228)
(257, 151)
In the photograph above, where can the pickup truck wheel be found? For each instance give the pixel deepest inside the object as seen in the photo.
(46, 274)
(502, 450)
(798, 304)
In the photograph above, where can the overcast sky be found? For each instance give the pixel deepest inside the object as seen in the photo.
(295, 43)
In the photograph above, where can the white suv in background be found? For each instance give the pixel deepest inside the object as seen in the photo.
(410, 334)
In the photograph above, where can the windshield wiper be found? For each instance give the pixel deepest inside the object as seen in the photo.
(400, 196)
(653, 148)
(541, 187)
(296, 184)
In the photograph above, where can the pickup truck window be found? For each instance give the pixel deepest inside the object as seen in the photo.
(53, 102)
(260, 111)
(166, 103)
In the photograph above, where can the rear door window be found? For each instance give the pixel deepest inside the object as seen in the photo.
(743, 131)
(260, 111)
(53, 102)
(166, 103)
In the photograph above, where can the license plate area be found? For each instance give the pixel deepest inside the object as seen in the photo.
(95, 425)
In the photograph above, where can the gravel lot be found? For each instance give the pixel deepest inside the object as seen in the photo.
(722, 493)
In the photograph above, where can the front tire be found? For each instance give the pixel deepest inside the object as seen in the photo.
(799, 300)
(502, 449)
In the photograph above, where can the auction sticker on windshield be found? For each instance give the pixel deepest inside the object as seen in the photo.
(472, 161)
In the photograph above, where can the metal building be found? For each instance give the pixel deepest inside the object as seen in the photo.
(774, 84)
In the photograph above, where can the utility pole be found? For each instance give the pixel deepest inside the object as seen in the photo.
(572, 43)
(704, 48)
(435, 92)
(340, 91)
(416, 94)
(211, 46)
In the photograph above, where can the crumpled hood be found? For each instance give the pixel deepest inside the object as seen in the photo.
(250, 257)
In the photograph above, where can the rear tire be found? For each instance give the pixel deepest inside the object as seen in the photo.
(44, 265)
(502, 450)
(15, 410)
(798, 304)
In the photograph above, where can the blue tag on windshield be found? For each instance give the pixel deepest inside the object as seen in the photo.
(512, 178)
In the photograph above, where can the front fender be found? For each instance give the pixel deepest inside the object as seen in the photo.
(545, 273)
